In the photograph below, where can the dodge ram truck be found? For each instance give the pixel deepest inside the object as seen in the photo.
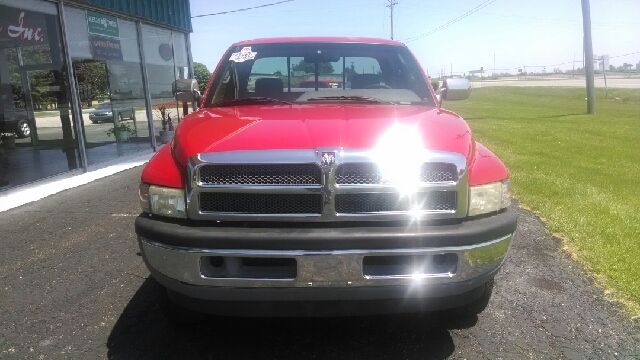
(370, 199)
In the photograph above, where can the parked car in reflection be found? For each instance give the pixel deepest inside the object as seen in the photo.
(104, 112)
(15, 120)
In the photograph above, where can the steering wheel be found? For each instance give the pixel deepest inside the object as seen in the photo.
(378, 86)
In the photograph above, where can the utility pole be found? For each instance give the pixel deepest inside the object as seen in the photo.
(588, 57)
(390, 6)
(604, 72)
(494, 65)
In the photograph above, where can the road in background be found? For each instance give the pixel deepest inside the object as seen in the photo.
(72, 285)
(614, 82)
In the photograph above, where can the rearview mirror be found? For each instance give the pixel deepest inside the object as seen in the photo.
(185, 90)
(321, 58)
(455, 89)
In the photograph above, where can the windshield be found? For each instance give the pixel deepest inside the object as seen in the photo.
(104, 106)
(285, 73)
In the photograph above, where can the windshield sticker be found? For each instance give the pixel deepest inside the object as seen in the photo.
(244, 55)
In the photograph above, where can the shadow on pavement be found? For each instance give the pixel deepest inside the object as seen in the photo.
(142, 332)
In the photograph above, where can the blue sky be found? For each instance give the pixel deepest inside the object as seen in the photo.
(519, 32)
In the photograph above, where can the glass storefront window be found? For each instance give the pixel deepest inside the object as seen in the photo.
(39, 136)
(106, 60)
(36, 124)
(166, 57)
(180, 55)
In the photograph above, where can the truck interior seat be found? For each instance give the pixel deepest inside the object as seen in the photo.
(362, 81)
(269, 87)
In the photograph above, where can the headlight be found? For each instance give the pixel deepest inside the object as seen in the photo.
(163, 201)
(143, 192)
(489, 197)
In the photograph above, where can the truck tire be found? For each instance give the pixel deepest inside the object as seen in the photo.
(175, 313)
(23, 129)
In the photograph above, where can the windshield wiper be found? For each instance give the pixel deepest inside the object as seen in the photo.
(256, 100)
(357, 98)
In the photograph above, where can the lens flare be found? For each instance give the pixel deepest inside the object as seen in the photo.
(399, 155)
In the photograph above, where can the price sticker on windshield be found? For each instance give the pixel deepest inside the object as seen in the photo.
(244, 55)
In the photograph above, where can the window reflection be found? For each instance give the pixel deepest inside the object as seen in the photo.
(166, 56)
(110, 86)
(38, 137)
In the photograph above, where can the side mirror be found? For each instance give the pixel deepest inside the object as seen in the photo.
(455, 89)
(184, 90)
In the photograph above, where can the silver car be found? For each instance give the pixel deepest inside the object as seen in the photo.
(104, 112)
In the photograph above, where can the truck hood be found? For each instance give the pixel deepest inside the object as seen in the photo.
(304, 126)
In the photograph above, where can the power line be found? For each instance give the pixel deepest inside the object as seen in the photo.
(468, 13)
(244, 9)
(633, 53)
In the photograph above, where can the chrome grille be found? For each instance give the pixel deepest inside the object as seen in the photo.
(438, 172)
(268, 174)
(358, 173)
(297, 185)
(393, 202)
(261, 203)
(369, 173)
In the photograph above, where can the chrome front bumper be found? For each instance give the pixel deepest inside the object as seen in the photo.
(325, 269)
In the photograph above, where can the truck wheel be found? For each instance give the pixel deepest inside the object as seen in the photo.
(23, 130)
(175, 313)
(478, 305)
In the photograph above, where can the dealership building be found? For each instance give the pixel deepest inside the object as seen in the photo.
(86, 82)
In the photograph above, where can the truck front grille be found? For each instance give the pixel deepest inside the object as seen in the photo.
(261, 203)
(321, 185)
(393, 202)
(267, 174)
(369, 173)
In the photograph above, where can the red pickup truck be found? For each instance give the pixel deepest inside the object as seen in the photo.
(346, 201)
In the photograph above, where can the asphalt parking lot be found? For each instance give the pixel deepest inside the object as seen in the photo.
(72, 285)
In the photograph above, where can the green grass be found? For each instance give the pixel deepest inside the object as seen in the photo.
(580, 173)
(45, 113)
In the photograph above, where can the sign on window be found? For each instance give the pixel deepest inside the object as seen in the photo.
(102, 24)
(105, 48)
